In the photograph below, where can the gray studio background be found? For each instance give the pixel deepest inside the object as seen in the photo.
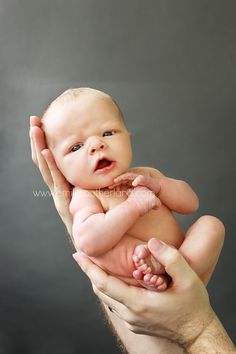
(171, 67)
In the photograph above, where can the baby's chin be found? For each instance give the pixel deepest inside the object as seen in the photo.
(94, 185)
(98, 182)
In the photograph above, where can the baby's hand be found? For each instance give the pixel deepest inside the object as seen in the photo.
(126, 179)
(134, 180)
(143, 199)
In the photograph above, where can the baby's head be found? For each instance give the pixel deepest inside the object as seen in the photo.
(86, 133)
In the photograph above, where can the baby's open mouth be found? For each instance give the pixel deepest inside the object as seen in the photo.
(102, 164)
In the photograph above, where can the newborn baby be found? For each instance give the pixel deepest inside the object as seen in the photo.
(116, 209)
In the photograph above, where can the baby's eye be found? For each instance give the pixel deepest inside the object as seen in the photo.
(109, 132)
(76, 147)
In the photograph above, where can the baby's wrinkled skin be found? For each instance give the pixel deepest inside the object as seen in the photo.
(117, 209)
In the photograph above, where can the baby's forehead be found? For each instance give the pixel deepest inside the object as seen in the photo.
(68, 100)
(62, 119)
(79, 103)
(80, 95)
(59, 115)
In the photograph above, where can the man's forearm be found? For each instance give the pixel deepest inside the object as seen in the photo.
(132, 343)
(213, 340)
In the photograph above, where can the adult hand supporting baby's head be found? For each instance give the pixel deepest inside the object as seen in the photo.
(180, 313)
(54, 179)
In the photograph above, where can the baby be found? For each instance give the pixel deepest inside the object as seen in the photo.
(117, 209)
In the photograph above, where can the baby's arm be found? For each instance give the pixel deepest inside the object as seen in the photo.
(96, 232)
(177, 195)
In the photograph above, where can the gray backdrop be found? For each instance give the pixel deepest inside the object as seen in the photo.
(171, 67)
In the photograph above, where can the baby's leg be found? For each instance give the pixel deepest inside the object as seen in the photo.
(202, 245)
(149, 272)
(201, 248)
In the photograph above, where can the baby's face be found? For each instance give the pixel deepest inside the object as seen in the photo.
(89, 141)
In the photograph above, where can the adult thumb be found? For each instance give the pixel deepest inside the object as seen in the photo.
(174, 263)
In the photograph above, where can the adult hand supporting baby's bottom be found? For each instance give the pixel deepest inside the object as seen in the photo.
(182, 313)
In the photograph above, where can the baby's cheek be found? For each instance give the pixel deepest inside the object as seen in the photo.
(74, 179)
(68, 173)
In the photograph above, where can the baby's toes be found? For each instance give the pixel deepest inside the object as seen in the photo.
(137, 261)
(154, 279)
(147, 277)
(162, 287)
(144, 268)
(137, 275)
(142, 251)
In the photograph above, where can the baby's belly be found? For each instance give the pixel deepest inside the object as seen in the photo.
(159, 224)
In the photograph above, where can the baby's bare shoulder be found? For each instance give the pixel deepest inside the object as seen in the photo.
(83, 194)
(83, 198)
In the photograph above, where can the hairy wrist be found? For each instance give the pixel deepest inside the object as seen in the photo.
(211, 338)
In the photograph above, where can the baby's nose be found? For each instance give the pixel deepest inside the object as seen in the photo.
(97, 145)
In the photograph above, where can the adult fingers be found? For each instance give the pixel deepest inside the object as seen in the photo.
(33, 150)
(40, 145)
(174, 263)
(38, 135)
(34, 122)
(114, 306)
(59, 181)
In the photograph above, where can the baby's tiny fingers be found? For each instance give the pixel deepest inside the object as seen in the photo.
(125, 177)
(114, 185)
(139, 180)
(120, 183)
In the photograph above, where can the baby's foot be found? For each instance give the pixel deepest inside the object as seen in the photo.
(149, 273)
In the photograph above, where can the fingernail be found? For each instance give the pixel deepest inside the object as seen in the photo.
(76, 257)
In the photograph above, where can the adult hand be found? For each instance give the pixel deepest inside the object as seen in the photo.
(182, 313)
(54, 179)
